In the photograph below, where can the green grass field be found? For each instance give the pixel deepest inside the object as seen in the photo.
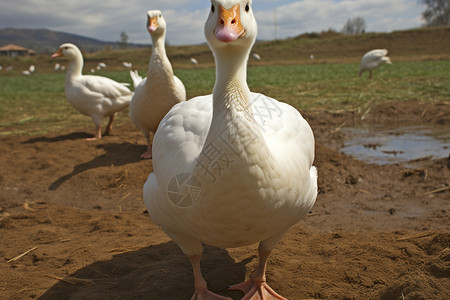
(36, 104)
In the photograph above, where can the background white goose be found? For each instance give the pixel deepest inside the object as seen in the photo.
(95, 96)
(127, 65)
(160, 90)
(372, 60)
(232, 168)
(194, 61)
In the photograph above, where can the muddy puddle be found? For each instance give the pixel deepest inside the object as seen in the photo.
(407, 145)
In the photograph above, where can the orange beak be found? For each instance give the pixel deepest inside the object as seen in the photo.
(57, 53)
(229, 27)
(152, 24)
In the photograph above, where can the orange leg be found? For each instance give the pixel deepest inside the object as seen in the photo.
(109, 127)
(256, 287)
(201, 289)
(148, 154)
(98, 133)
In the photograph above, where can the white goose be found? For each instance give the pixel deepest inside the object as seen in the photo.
(232, 168)
(160, 90)
(95, 96)
(372, 60)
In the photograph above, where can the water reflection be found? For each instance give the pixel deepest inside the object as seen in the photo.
(388, 145)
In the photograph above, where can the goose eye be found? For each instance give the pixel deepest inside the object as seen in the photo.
(160, 16)
(247, 8)
(212, 8)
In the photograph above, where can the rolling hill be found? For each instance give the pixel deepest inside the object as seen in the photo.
(45, 41)
(327, 47)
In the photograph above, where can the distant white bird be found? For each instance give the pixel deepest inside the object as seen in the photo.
(160, 90)
(92, 70)
(57, 67)
(63, 68)
(194, 61)
(32, 68)
(1, 68)
(95, 96)
(256, 56)
(225, 172)
(311, 56)
(26, 73)
(372, 60)
(127, 65)
(101, 65)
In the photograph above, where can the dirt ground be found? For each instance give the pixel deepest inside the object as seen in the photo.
(75, 209)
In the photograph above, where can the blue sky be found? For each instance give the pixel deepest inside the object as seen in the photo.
(105, 20)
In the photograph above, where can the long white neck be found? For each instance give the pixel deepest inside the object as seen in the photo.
(159, 63)
(233, 126)
(75, 67)
(231, 92)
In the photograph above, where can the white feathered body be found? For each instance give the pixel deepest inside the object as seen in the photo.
(96, 96)
(373, 59)
(252, 172)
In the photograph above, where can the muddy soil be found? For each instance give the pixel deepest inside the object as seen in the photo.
(74, 209)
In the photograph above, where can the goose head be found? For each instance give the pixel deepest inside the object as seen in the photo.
(230, 23)
(69, 51)
(156, 25)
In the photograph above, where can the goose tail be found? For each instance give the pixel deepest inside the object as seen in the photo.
(135, 77)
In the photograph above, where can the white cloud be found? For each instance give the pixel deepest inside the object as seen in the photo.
(185, 27)
(319, 15)
(105, 20)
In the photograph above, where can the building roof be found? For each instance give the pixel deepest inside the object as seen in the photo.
(12, 47)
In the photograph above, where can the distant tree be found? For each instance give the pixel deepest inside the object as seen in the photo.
(348, 27)
(437, 12)
(354, 26)
(123, 42)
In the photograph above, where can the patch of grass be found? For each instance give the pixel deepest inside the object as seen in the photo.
(337, 86)
(198, 81)
(36, 104)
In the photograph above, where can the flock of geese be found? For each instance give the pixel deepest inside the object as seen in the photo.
(223, 173)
